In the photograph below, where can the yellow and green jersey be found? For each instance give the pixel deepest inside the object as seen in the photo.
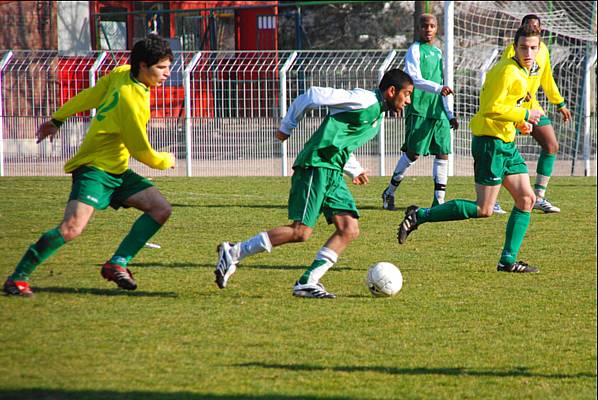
(503, 93)
(540, 75)
(118, 129)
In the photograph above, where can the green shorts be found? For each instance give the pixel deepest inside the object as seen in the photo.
(495, 159)
(427, 136)
(101, 189)
(319, 190)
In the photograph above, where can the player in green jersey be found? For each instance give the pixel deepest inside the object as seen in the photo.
(317, 186)
(100, 173)
(429, 118)
(497, 161)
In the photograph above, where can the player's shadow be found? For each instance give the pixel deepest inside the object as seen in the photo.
(231, 205)
(150, 265)
(517, 372)
(102, 292)
(42, 393)
(290, 267)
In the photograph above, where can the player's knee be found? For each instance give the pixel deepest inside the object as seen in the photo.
(350, 232)
(70, 231)
(161, 212)
(485, 211)
(526, 202)
(552, 147)
(301, 234)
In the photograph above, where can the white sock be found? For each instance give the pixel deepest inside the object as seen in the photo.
(440, 174)
(399, 173)
(540, 186)
(325, 259)
(257, 244)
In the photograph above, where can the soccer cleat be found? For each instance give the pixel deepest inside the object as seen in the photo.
(388, 201)
(498, 209)
(316, 291)
(518, 266)
(17, 288)
(544, 205)
(119, 275)
(408, 225)
(225, 267)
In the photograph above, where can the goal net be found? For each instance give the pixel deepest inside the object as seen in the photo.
(483, 29)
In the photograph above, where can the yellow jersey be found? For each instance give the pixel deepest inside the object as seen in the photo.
(503, 92)
(118, 129)
(540, 75)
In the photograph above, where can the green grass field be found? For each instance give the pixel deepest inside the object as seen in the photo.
(457, 330)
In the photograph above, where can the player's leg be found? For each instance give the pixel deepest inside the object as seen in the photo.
(521, 191)
(488, 170)
(339, 209)
(413, 130)
(76, 217)
(544, 134)
(140, 193)
(305, 202)
(440, 146)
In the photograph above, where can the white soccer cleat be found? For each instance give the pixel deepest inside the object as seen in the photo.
(313, 291)
(498, 209)
(225, 267)
(544, 205)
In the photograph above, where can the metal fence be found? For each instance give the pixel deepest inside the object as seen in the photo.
(217, 113)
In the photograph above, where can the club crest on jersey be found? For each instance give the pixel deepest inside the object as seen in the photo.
(534, 70)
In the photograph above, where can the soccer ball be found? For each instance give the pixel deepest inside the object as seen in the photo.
(384, 279)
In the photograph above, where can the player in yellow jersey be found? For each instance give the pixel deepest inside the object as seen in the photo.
(100, 169)
(497, 161)
(543, 132)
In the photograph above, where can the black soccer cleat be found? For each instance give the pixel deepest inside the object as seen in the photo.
(408, 225)
(518, 267)
(388, 201)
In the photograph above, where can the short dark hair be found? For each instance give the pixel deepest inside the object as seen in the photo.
(525, 31)
(530, 17)
(150, 50)
(424, 17)
(395, 77)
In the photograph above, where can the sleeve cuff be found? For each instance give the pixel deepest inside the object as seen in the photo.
(526, 115)
(56, 123)
(561, 105)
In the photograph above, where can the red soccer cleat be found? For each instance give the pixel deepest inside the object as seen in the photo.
(121, 276)
(17, 288)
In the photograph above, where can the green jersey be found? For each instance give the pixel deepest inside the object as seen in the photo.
(354, 117)
(423, 63)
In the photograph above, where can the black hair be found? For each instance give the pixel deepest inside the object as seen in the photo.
(150, 50)
(395, 77)
(530, 17)
(526, 31)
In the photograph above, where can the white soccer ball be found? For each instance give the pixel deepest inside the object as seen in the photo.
(384, 279)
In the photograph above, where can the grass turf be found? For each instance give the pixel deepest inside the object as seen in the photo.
(457, 330)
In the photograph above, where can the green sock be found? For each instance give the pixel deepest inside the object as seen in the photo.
(453, 210)
(544, 171)
(37, 253)
(142, 230)
(316, 264)
(516, 229)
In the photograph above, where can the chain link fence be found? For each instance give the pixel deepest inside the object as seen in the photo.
(217, 113)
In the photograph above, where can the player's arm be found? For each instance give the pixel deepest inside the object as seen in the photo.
(552, 91)
(84, 100)
(134, 136)
(316, 97)
(412, 67)
(355, 171)
(495, 102)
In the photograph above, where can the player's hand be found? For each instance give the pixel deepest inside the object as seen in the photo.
(454, 123)
(281, 136)
(565, 113)
(445, 91)
(172, 159)
(44, 130)
(534, 116)
(361, 179)
(524, 127)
